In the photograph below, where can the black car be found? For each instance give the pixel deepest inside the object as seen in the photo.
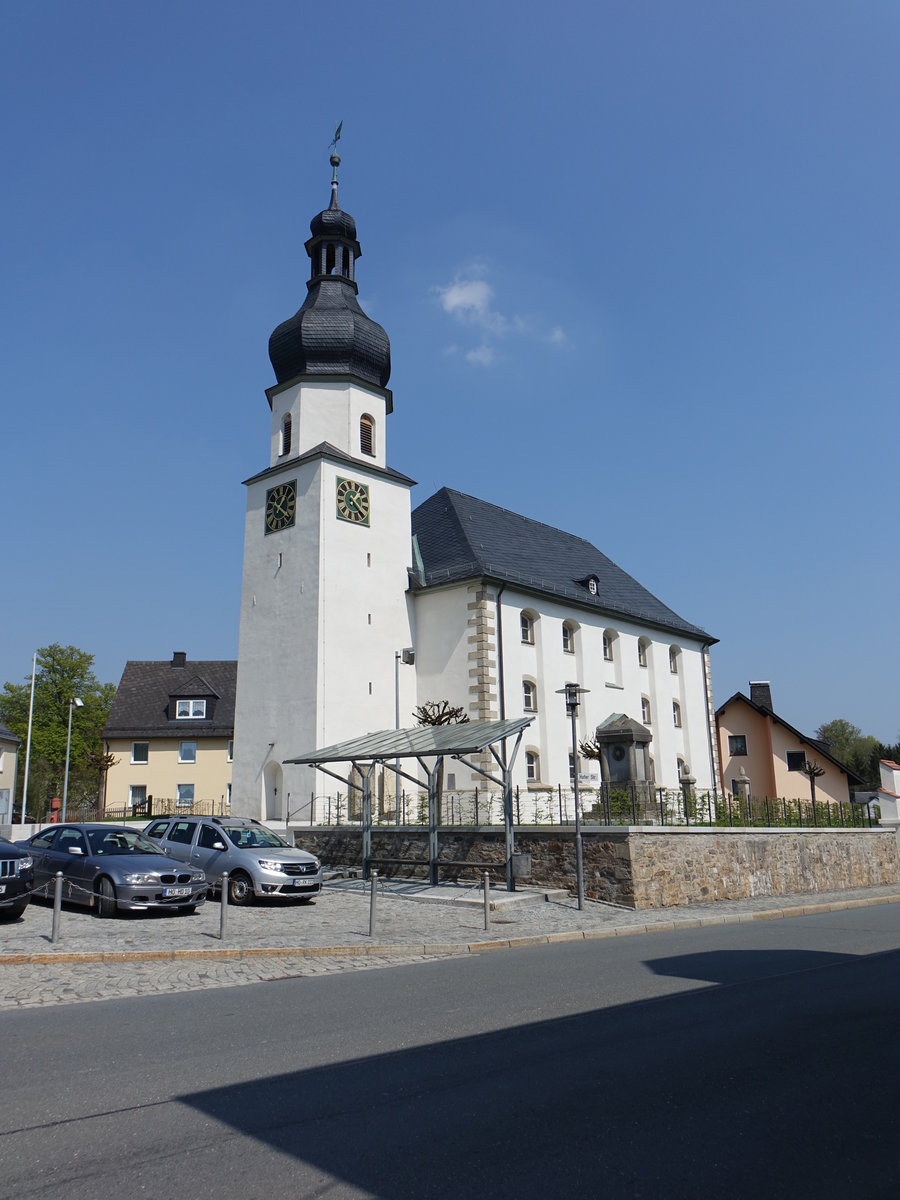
(16, 880)
(113, 868)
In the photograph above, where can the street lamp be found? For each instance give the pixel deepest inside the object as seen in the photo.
(407, 656)
(571, 692)
(74, 703)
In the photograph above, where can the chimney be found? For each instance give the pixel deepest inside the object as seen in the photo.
(179, 658)
(761, 694)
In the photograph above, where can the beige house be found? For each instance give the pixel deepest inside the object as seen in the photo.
(170, 734)
(9, 761)
(762, 755)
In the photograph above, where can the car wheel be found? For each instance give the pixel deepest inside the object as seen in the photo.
(240, 888)
(106, 898)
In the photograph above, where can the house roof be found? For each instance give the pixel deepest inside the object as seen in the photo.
(460, 537)
(821, 748)
(144, 702)
(6, 735)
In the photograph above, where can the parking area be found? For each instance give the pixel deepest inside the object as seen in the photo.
(161, 952)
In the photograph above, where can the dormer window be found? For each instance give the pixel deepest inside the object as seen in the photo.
(187, 710)
(592, 585)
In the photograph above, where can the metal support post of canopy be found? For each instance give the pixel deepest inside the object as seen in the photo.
(425, 742)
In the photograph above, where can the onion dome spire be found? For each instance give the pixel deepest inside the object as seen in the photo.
(330, 334)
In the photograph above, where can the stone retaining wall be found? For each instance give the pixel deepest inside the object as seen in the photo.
(648, 867)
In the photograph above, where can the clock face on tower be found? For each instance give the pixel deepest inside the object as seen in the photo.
(352, 501)
(281, 506)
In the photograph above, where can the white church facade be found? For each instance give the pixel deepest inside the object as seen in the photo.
(343, 583)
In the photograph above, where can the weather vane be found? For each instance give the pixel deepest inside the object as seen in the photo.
(335, 157)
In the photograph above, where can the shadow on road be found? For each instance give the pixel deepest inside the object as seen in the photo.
(736, 966)
(748, 1090)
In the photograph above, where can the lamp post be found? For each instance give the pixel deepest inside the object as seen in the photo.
(74, 703)
(571, 692)
(407, 656)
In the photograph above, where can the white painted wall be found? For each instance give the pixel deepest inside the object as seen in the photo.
(443, 670)
(327, 412)
(323, 608)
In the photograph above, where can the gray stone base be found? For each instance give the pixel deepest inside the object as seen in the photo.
(646, 867)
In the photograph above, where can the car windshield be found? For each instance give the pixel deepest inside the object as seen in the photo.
(248, 838)
(120, 841)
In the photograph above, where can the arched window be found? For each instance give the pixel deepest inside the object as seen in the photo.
(529, 696)
(532, 766)
(347, 263)
(286, 429)
(674, 655)
(609, 645)
(646, 715)
(367, 434)
(526, 620)
(329, 259)
(643, 647)
(568, 637)
(676, 714)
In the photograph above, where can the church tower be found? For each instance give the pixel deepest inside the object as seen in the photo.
(326, 540)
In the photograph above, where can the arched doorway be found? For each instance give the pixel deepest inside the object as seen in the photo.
(273, 792)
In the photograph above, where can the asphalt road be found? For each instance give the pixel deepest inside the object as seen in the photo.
(752, 1060)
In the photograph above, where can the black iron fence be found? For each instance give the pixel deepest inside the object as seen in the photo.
(604, 804)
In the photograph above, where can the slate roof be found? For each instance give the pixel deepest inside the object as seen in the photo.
(6, 735)
(330, 333)
(144, 704)
(821, 748)
(459, 537)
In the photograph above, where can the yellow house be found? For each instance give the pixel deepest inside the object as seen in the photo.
(170, 734)
(762, 755)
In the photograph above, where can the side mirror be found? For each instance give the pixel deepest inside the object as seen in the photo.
(75, 850)
(219, 846)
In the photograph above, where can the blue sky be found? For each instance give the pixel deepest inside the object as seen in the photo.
(639, 264)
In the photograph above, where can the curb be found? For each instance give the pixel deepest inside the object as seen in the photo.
(423, 950)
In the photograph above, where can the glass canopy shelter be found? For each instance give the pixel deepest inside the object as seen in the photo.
(427, 745)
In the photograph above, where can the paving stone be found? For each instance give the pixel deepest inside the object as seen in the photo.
(151, 954)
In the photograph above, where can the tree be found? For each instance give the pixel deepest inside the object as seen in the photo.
(856, 750)
(440, 712)
(812, 771)
(61, 673)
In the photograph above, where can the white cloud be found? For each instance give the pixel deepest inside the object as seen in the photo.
(481, 356)
(469, 299)
(466, 297)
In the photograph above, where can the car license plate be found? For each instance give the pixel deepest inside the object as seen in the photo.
(304, 883)
(179, 891)
(2, 888)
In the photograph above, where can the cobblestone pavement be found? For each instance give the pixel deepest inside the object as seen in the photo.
(146, 954)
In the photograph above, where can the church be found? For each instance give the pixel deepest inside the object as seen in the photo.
(356, 608)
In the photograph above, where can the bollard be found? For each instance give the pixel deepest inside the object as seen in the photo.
(57, 906)
(487, 900)
(372, 894)
(223, 908)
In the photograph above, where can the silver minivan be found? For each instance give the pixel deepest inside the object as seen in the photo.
(258, 861)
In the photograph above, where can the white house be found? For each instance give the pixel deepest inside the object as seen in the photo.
(499, 611)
